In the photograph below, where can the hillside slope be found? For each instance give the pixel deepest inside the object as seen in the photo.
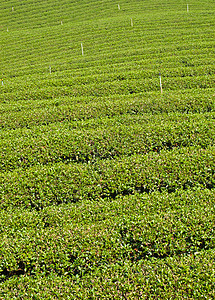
(107, 149)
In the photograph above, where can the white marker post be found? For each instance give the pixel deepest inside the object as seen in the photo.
(12, 8)
(82, 49)
(160, 83)
(61, 23)
(7, 29)
(50, 69)
(132, 23)
(187, 8)
(118, 7)
(2, 82)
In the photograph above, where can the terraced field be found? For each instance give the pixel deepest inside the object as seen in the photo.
(107, 180)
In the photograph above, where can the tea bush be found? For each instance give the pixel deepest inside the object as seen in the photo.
(107, 158)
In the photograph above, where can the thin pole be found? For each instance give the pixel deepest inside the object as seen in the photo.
(132, 23)
(160, 83)
(82, 49)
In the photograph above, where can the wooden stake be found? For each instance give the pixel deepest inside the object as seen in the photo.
(61, 23)
(118, 7)
(12, 8)
(50, 69)
(187, 8)
(132, 23)
(160, 83)
(2, 82)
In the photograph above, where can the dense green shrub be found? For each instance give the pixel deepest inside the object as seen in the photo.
(107, 185)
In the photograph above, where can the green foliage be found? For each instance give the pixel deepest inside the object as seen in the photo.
(137, 237)
(107, 185)
(40, 186)
(52, 144)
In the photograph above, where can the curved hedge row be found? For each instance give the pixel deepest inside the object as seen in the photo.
(59, 241)
(167, 171)
(106, 141)
(73, 109)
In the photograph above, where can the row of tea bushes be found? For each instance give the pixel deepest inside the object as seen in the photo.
(72, 109)
(123, 87)
(40, 186)
(146, 237)
(57, 144)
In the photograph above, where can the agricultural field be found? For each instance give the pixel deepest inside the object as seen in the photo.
(107, 155)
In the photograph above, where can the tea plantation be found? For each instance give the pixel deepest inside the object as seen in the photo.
(107, 155)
